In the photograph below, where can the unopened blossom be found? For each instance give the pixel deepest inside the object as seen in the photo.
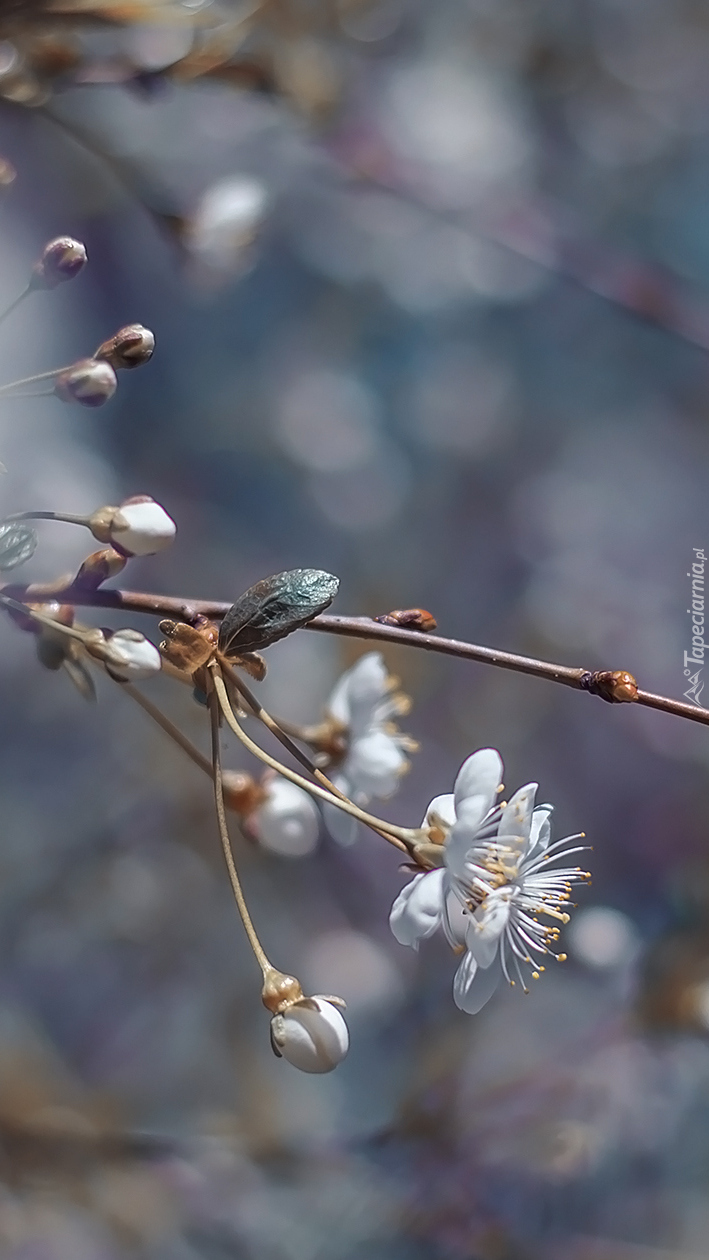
(139, 527)
(362, 708)
(130, 347)
(311, 1034)
(129, 656)
(287, 822)
(61, 259)
(497, 881)
(89, 382)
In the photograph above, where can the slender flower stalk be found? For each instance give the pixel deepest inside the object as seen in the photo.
(260, 954)
(169, 728)
(33, 380)
(15, 303)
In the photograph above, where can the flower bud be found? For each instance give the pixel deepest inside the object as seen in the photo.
(616, 686)
(130, 347)
(129, 656)
(311, 1034)
(18, 543)
(409, 619)
(288, 822)
(139, 527)
(242, 793)
(98, 567)
(60, 260)
(87, 382)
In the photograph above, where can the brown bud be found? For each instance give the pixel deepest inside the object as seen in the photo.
(130, 347)
(60, 260)
(186, 647)
(87, 382)
(99, 566)
(280, 991)
(242, 793)
(409, 619)
(616, 686)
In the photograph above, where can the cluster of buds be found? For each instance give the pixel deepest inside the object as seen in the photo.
(90, 381)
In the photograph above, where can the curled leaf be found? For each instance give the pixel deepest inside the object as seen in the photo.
(274, 607)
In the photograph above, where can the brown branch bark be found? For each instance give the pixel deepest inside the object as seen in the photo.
(352, 627)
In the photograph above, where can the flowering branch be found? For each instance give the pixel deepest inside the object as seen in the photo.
(614, 686)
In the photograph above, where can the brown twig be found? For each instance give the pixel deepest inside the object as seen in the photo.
(352, 627)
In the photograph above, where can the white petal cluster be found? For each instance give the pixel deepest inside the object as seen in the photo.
(363, 705)
(288, 822)
(142, 528)
(311, 1034)
(129, 656)
(498, 878)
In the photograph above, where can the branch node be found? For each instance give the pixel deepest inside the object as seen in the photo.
(616, 686)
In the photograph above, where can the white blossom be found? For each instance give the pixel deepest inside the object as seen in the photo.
(498, 877)
(363, 706)
(288, 821)
(311, 1034)
(129, 656)
(227, 220)
(142, 528)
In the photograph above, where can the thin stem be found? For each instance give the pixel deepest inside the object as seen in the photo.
(32, 380)
(348, 807)
(15, 606)
(69, 517)
(14, 305)
(168, 727)
(638, 288)
(239, 898)
(276, 729)
(352, 627)
(120, 169)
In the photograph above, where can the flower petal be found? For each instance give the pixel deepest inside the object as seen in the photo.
(358, 691)
(486, 926)
(375, 764)
(473, 986)
(455, 920)
(442, 809)
(540, 830)
(342, 827)
(516, 819)
(478, 779)
(418, 909)
(288, 821)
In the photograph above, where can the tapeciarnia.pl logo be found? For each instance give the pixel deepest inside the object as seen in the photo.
(694, 660)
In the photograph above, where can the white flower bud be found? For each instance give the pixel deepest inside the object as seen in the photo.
(129, 656)
(141, 527)
(288, 821)
(60, 260)
(130, 347)
(88, 382)
(311, 1034)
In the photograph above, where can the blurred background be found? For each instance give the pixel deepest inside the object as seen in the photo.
(430, 288)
